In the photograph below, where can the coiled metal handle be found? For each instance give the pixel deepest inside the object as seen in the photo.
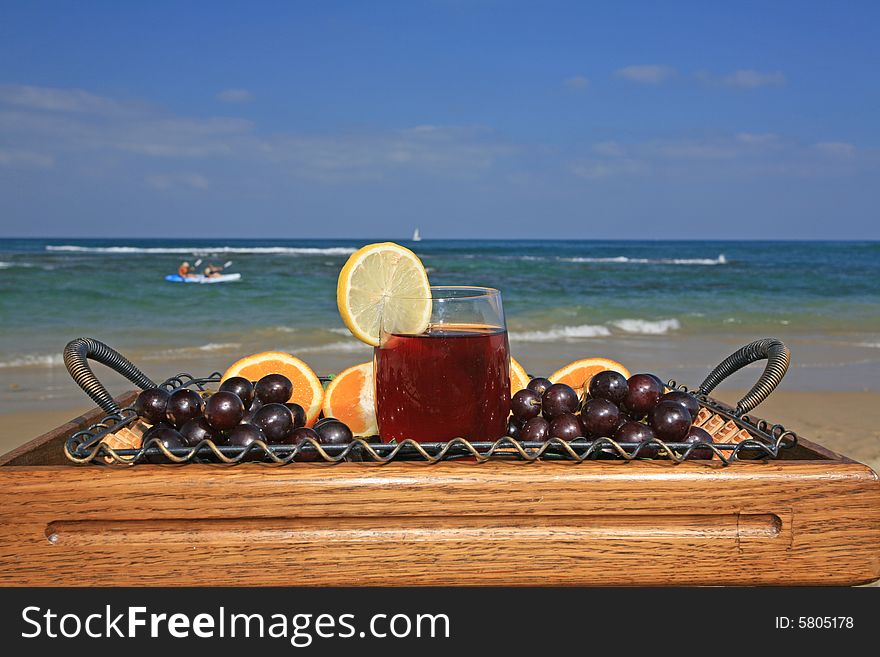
(778, 359)
(77, 354)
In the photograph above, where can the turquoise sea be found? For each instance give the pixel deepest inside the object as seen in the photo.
(660, 299)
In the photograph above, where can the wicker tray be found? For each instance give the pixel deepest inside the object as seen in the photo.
(119, 438)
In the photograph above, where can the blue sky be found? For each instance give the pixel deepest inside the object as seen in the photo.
(468, 118)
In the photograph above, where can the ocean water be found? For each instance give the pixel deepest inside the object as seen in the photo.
(581, 294)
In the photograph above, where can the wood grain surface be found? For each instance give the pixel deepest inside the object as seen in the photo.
(814, 519)
(599, 523)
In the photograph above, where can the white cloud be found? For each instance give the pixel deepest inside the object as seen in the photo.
(687, 149)
(646, 74)
(757, 138)
(744, 79)
(62, 100)
(609, 148)
(453, 151)
(738, 155)
(590, 169)
(23, 159)
(164, 181)
(836, 148)
(576, 83)
(235, 96)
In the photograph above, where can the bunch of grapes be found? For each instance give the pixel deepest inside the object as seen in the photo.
(238, 414)
(634, 410)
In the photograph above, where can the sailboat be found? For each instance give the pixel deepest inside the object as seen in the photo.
(416, 237)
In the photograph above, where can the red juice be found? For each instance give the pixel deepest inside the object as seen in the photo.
(453, 381)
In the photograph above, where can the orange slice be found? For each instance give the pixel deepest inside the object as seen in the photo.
(350, 399)
(518, 377)
(307, 389)
(578, 373)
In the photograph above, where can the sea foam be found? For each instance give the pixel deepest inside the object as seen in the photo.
(631, 326)
(346, 346)
(34, 360)
(203, 250)
(720, 260)
(182, 351)
(560, 333)
(647, 327)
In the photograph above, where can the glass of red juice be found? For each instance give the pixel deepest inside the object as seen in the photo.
(453, 379)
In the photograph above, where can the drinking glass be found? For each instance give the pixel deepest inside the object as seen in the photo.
(452, 380)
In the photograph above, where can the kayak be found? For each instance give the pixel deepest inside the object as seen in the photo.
(202, 279)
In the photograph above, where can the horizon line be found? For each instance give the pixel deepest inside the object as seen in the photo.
(446, 239)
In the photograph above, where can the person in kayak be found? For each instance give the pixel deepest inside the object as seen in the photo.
(212, 271)
(185, 270)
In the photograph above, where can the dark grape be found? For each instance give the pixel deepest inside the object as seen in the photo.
(536, 430)
(243, 435)
(240, 386)
(275, 420)
(151, 404)
(698, 435)
(609, 385)
(297, 436)
(600, 418)
(333, 432)
(636, 432)
(170, 438)
(298, 413)
(184, 405)
(660, 381)
(566, 426)
(685, 399)
(670, 421)
(274, 389)
(643, 392)
(224, 410)
(539, 385)
(559, 399)
(252, 409)
(149, 433)
(525, 404)
(514, 430)
(197, 430)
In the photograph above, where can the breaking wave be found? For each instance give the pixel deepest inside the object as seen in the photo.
(34, 360)
(647, 327)
(560, 333)
(334, 346)
(210, 346)
(200, 250)
(720, 260)
(630, 326)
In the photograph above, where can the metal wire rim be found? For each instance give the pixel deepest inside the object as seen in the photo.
(86, 446)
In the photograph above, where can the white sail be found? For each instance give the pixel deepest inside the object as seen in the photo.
(416, 237)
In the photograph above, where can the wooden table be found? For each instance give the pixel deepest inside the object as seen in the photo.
(812, 518)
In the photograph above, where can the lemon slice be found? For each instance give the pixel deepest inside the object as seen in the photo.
(383, 286)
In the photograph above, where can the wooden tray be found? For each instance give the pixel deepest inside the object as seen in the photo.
(810, 518)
